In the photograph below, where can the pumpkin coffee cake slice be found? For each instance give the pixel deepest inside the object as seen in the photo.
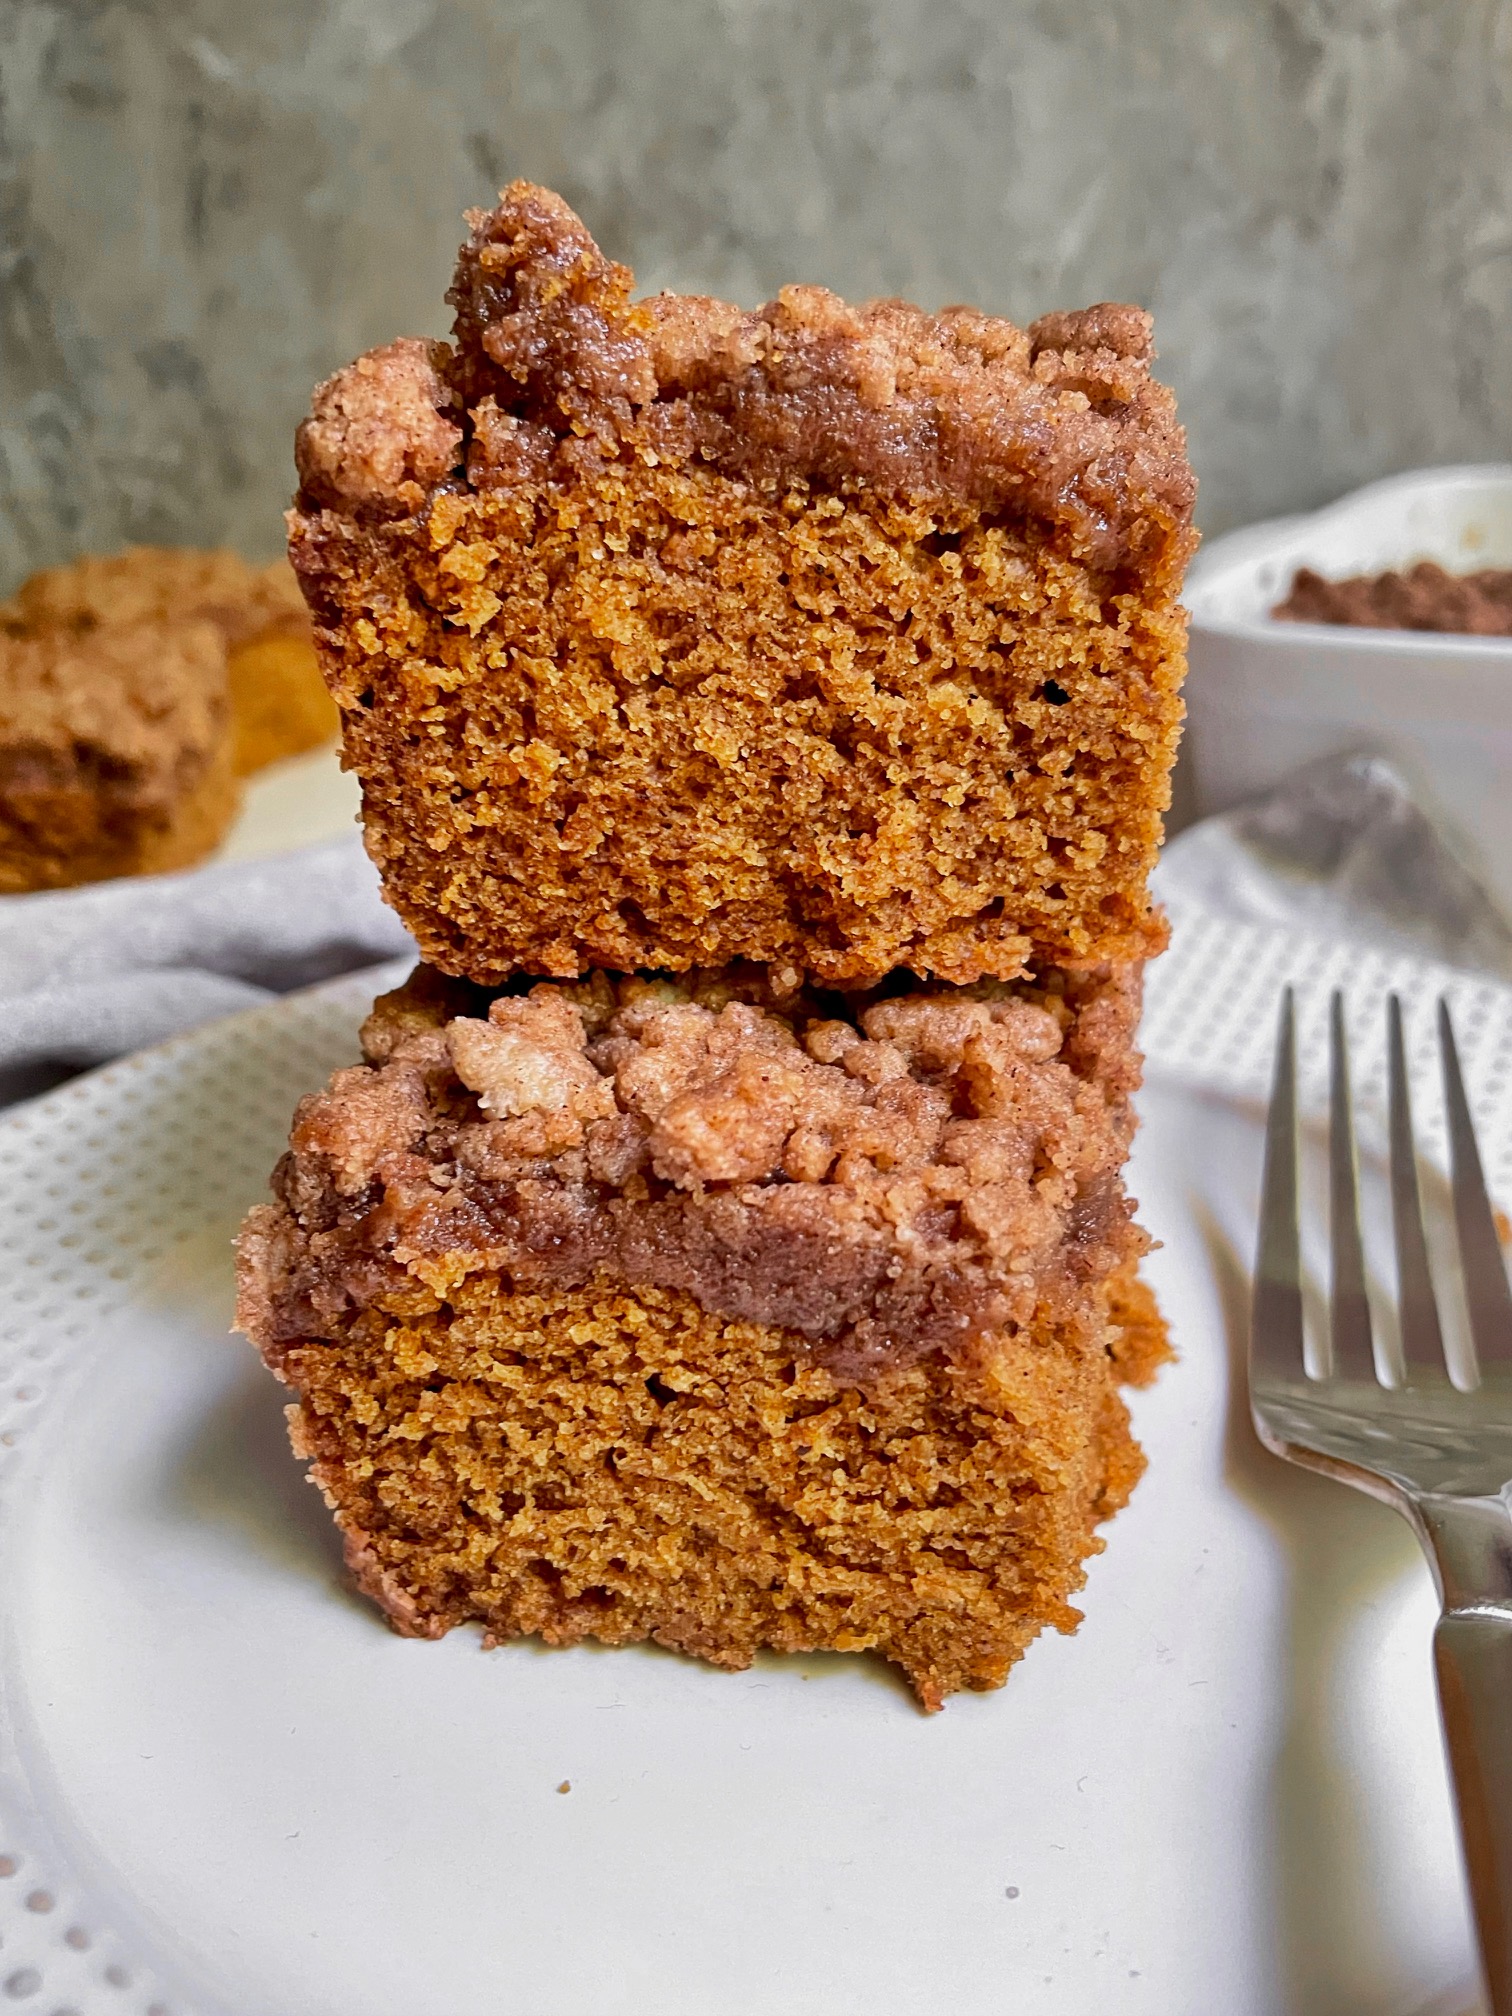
(720, 1312)
(666, 634)
(279, 704)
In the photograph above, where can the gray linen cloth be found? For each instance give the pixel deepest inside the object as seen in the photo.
(1339, 849)
(88, 974)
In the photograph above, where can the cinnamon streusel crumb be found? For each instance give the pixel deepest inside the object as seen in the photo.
(882, 1175)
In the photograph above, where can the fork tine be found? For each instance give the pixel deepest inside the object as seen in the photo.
(1486, 1293)
(1350, 1350)
(1276, 1314)
(1422, 1338)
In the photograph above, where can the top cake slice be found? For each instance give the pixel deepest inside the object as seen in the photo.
(666, 634)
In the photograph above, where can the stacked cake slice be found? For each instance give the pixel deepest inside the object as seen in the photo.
(764, 722)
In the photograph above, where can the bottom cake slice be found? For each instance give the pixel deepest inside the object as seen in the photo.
(719, 1313)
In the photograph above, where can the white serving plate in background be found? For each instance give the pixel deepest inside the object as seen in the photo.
(1265, 697)
(296, 803)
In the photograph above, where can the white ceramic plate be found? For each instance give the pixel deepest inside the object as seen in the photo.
(224, 1786)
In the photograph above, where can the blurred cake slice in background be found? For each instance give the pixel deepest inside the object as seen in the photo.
(115, 752)
(135, 691)
(279, 703)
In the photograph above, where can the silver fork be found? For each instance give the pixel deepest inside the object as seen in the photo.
(1440, 1455)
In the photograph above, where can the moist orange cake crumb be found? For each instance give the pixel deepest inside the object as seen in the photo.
(595, 1463)
(724, 1312)
(666, 634)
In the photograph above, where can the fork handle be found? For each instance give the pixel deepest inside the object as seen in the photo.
(1472, 1654)
(1470, 1546)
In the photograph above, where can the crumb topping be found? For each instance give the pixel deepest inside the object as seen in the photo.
(554, 364)
(886, 1174)
(380, 431)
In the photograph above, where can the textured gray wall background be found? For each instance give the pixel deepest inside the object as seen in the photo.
(208, 204)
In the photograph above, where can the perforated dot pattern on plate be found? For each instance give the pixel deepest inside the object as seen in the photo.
(98, 1182)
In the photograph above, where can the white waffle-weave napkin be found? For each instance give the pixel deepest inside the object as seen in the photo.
(88, 974)
(1335, 880)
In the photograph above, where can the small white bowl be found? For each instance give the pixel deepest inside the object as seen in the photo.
(1265, 697)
